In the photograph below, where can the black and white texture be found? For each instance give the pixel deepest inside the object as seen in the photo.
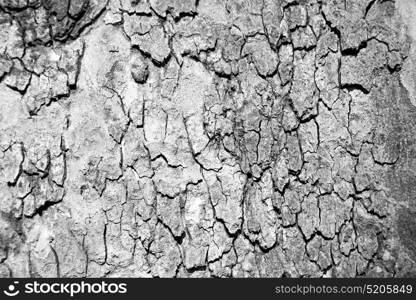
(210, 138)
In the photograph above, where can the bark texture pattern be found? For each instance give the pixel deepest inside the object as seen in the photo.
(186, 138)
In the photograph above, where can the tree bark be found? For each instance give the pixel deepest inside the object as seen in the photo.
(239, 138)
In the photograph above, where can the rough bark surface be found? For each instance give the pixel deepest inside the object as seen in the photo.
(186, 138)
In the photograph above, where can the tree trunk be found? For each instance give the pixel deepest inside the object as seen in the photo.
(235, 138)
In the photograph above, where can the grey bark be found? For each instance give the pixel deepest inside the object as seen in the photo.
(167, 138)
